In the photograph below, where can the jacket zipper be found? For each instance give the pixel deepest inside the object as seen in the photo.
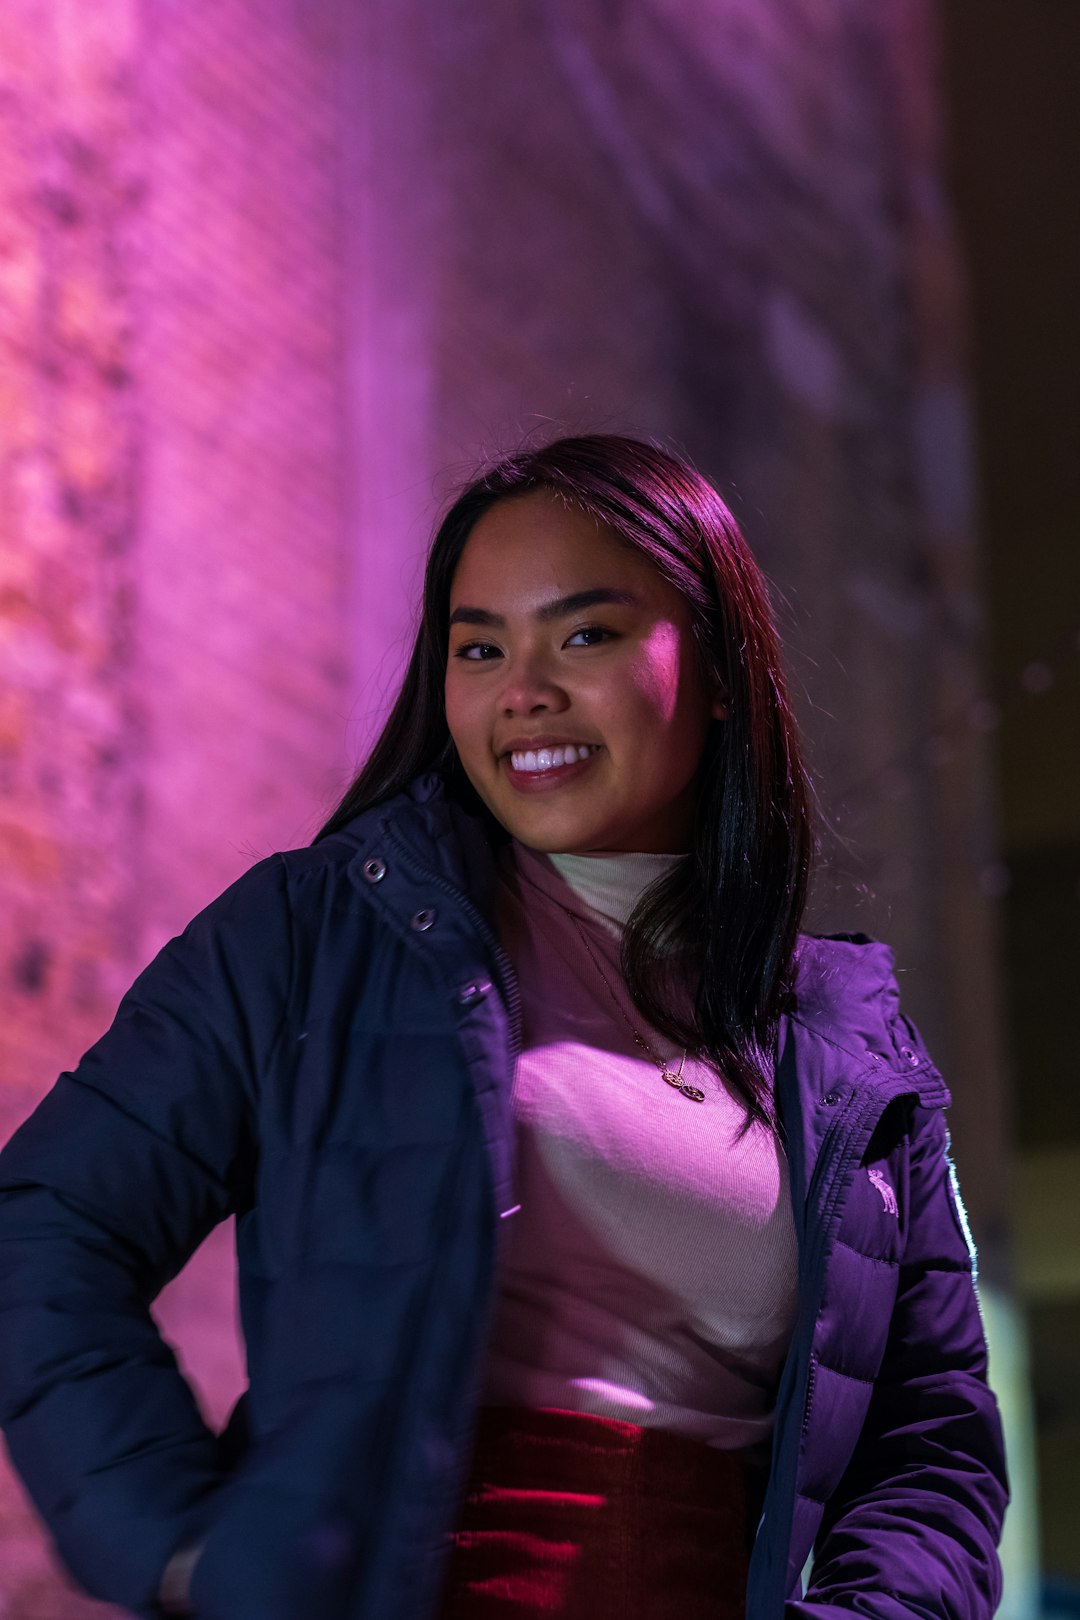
(809, 1400)
(513, 998)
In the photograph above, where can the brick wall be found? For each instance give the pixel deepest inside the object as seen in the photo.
(173, 532)
(241, 555)
(172, 633)
(70, 186)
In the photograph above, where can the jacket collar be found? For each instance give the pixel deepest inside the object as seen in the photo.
(449, 840)
(844, 1017)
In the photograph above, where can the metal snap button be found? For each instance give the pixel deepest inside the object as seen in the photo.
(374, 870)
(831, 1098)
(906, 1052)
(422, 921)
(473, 992)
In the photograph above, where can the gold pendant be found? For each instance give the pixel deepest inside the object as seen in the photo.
(682, 1085)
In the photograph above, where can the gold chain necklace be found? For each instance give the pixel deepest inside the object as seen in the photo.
(674, 1077)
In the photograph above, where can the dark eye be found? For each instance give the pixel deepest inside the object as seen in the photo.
(595, 633)
(477, 651)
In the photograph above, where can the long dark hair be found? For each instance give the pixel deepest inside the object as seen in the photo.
(731, 913)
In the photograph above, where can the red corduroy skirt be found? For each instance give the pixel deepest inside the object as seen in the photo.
(586, 1518)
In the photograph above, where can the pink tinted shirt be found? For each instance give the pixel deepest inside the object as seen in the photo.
(650, 1272)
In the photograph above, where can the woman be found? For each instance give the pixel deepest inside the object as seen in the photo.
(598, 1245)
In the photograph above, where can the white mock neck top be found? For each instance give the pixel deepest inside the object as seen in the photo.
(650, 1272)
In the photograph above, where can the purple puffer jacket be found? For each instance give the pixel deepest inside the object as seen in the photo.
(327, 1052)
(888, 1461)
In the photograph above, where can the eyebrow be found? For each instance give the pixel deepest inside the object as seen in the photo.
(602, 596)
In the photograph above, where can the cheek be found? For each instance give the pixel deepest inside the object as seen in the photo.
(468, 720)
(655, 678)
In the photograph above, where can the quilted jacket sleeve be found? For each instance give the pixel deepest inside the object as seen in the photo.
(105, 1192)
(913, 1528)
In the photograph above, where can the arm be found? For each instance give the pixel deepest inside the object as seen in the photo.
(105, 1192)
(913, 1526)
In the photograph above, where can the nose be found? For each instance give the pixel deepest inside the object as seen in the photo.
(530, 688)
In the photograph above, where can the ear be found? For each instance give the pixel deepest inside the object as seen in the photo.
(719, 709)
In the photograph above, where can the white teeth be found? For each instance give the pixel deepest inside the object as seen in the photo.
(549, 759)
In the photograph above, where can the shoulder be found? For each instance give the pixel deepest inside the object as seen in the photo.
(334, 861)
(845, 977)
(845, 992)
(300, 886)
(275, 885)
(844, 971)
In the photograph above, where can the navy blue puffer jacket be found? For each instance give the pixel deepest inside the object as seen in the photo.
(326, 1051)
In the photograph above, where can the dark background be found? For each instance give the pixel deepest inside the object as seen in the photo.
(1013, 85)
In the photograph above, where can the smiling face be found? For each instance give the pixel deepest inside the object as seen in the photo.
(563, 636)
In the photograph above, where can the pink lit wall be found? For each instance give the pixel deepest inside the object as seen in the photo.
(174, 668)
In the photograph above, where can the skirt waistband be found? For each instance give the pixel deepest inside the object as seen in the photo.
(585, 1518)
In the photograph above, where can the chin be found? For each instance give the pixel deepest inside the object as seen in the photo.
(552, 837)
(546, 843)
